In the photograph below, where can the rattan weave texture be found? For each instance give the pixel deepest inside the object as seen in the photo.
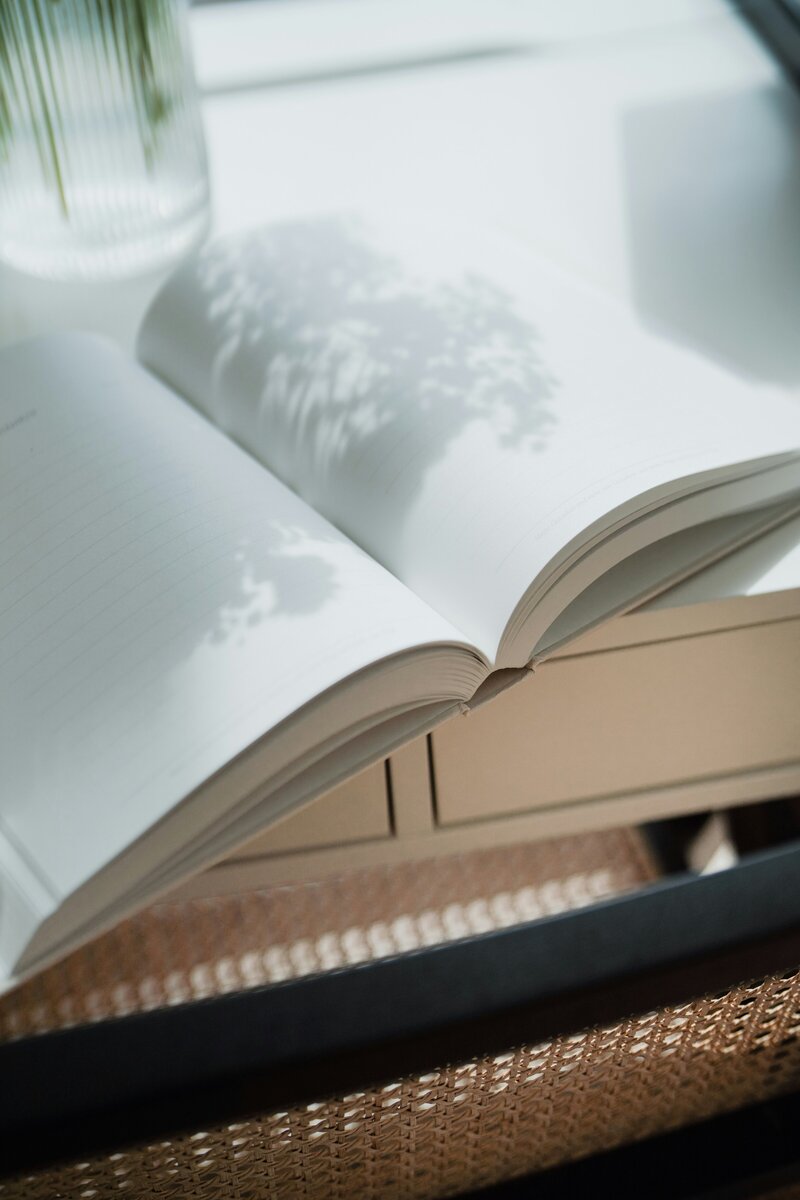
(176, 952)
(459, 1127)
(475, 1123)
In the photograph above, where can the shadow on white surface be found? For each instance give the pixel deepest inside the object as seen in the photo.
(713, 189)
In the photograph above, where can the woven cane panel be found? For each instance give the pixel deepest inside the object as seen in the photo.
(184, 951)
(474, 1124)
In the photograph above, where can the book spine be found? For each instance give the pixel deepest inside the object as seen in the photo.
(25, 902)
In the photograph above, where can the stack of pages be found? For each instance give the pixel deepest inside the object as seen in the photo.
(357, 469)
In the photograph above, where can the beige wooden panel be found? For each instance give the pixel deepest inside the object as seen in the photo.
(353, 812)
(613, 812)
(628, 719)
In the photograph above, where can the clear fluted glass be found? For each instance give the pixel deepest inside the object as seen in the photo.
(102, 160)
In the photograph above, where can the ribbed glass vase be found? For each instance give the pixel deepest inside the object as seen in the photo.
(102, 162)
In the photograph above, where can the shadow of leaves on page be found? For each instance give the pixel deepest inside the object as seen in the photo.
(349, 376)
(279, 576)
(193, 604)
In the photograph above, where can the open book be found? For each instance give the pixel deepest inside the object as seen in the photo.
(359, 475)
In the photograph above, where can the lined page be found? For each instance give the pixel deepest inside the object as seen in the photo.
(164, 601)
(459, 407)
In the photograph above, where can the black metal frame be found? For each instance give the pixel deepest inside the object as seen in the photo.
(102, 1086)
(778, 24)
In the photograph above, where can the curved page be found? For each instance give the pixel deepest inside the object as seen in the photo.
(460, 408)
(164, 602)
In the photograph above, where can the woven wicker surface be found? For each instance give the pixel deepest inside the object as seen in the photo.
(476, 1123)
(177, 952)
(460, 1127)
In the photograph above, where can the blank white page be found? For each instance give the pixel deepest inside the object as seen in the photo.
(459, 407)
(164, 601)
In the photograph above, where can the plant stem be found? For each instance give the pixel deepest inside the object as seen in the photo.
(138, 34)
(50, 137)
